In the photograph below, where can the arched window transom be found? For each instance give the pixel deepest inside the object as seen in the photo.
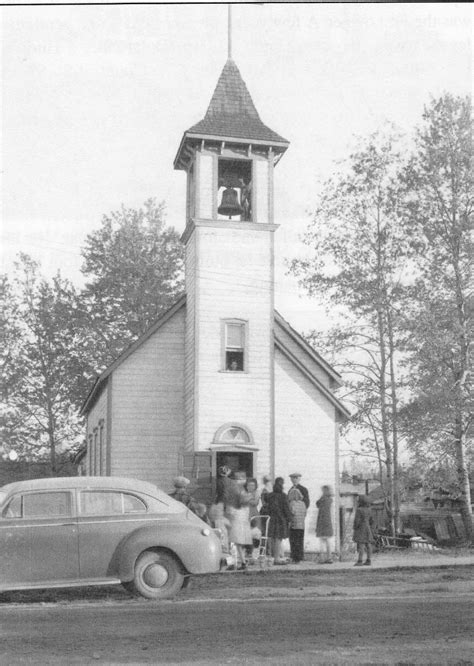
(233, 434)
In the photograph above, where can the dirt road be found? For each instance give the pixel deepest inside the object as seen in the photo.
(394, 617)
(309, 631)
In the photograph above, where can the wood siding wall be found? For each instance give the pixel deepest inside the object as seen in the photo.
(190, 343)
(305, 437)
(261, 207)
(205, 184)
(97, 417)
(232, 279)
(148, 407)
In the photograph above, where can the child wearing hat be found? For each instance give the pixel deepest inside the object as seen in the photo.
(298, 498)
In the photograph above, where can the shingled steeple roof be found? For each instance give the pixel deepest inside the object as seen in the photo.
(232, 115)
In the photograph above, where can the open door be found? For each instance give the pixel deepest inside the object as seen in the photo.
(237, 461)
(201, 467)
(197, 467)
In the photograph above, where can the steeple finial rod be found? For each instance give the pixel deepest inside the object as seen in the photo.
(229, 31)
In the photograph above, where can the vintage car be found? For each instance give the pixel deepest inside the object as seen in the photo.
(74, 531)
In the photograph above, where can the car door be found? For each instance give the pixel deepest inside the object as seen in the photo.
(38, 538)
(105, 517)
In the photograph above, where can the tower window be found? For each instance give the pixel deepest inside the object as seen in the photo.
(234, 333)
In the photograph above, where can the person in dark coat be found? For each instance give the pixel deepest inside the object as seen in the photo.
(266, 490)
(363, 534)
(224, 486)
(324, 528)
(280, 516)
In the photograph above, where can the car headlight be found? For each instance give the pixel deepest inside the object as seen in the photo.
(205, 531)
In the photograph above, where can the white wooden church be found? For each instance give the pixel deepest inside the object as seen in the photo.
(221, 378)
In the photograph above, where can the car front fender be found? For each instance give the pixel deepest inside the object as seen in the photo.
(198, 553)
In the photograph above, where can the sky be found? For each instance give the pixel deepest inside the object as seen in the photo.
(95, 100)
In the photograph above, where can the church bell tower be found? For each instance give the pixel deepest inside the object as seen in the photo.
(229, 158)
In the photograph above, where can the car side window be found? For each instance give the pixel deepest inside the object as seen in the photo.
(13, 509)
(132, 504)
(46, 505)
(106, 503)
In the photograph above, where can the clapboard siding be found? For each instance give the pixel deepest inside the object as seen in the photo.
(205, 185)
(261, 189)
(96, 417)
(190, 343)
(233, 280)
(305, 435)
(148, 407)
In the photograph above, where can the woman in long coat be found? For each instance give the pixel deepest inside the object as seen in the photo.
(324, 528)
(280, 516)
(363, 535)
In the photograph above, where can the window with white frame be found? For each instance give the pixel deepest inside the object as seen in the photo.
(234, 357)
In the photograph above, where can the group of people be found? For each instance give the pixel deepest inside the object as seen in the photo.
(240, 510)
(287, 513)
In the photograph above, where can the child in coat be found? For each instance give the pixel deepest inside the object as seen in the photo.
(363, 535)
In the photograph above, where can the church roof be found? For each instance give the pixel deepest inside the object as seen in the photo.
(232, 113)
(232, 116)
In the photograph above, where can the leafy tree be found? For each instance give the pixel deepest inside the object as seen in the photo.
(440, 196)
(133, 265)
(12, 430)
(359, 252)
(39, 419)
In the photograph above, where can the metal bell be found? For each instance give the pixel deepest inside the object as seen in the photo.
(230, 203)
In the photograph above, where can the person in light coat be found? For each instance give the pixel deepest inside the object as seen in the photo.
(298, 515)
(237, 509)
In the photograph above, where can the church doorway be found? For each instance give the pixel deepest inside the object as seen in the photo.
(237, 461)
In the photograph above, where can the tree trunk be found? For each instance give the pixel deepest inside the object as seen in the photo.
(394, 404)
(52, 438)
(463, 396)
(381, 297)
(384, 424)
(463, 477)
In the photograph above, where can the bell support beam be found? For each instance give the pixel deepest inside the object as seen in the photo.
(217, 143)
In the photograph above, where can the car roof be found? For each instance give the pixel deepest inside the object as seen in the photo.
(107, 482)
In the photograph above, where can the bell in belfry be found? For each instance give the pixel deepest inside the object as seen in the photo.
(230, 203)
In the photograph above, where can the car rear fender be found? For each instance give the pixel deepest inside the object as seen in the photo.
(182, 541)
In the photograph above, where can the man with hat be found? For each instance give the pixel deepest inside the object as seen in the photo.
(298, 498)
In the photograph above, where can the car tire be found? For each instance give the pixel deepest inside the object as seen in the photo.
(157, 575)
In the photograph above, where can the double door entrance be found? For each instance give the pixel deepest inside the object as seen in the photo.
(201, 469)
(240, 461)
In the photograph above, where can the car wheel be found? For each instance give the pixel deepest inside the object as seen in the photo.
(157, 575)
